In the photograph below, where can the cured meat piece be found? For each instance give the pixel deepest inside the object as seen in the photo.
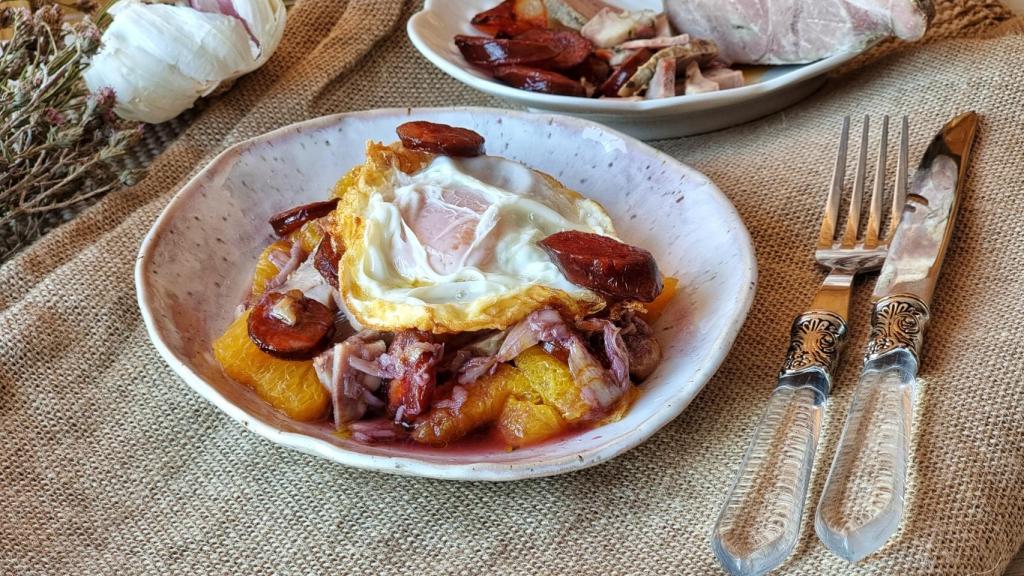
(531, 13)
(623, 73)
(663, 83)
(440, 139)
(325, 260)
(573, 48)
(412, 360)
(700, 51)
(511, 17)
(605, 265)
(594, 70)
(575, 13)
(537, 80)
(291, 326)
(490, 52)
(611, 28)
(697, 83)
(798, 31)
(290, 220)
(662, 28)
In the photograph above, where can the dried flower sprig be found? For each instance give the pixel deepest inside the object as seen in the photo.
(59, 144)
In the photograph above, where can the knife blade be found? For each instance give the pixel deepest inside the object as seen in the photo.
(863, 499)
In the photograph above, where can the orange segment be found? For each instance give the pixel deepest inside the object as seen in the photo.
(290, 386)
(265, 269)
(550, 378)
(658, 305)
(523, 423)
(309, 235)
(483, 404)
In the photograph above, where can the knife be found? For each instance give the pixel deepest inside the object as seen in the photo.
(863, 498)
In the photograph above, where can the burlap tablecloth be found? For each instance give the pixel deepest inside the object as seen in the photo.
(111, 465)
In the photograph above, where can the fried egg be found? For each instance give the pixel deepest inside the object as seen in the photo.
(450, 244)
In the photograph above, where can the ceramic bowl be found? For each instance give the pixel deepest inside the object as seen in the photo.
(769, 89)
(195, 266)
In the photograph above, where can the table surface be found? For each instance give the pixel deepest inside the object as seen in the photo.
(1016, 568)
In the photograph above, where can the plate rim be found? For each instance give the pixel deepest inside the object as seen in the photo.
(577, 105)
(410, 466)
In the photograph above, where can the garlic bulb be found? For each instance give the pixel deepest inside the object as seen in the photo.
(160, 58)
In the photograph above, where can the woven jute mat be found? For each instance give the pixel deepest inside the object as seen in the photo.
(110, 464)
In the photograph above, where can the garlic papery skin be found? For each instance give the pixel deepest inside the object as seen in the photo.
(160, 58)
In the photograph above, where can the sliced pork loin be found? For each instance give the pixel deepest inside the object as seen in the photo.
(797, 31)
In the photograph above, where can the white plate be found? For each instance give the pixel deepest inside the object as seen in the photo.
(771, 89)
(195, 265)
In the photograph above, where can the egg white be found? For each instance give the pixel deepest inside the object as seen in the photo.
(453, 247)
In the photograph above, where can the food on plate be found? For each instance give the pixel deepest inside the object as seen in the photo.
(588, 48)
(797, 31)
(441, 294)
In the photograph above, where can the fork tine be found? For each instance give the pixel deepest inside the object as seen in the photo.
(899, 196)
(853, 217)
(875, 210)
(828, 222)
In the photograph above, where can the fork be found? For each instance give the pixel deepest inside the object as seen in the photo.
(759, 524)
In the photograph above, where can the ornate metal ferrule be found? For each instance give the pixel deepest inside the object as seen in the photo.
(815, 342)
(897, 322)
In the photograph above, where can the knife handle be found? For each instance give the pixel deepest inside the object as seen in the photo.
(863, 499)
(862, 503)
(759, 525)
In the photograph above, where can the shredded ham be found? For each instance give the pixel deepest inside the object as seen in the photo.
(295, 257)
(377, 430)
(600, 388)
(411, 364)
(351, 389)
(455, 402)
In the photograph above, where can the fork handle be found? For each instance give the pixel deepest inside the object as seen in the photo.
(759, 525)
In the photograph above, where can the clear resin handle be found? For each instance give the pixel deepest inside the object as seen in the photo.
(760, 523)
(862, 503)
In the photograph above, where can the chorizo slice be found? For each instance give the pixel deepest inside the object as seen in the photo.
(537, 80)
(440, 139)
(605, 265)
(290, 220)
(624, 72)
(290, 326)
(490, 52)
(572, 48)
